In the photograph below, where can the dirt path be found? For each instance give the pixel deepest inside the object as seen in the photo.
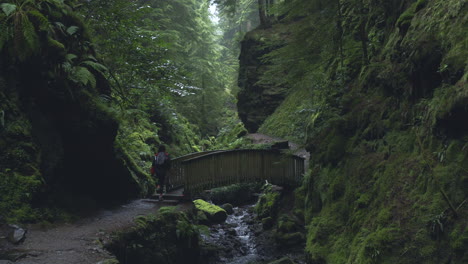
(78, 243)
(298, 150)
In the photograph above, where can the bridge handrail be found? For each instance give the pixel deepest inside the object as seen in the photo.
(216, 152)
(225, 167)
(175, 174)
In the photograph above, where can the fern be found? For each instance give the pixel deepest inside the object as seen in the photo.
(30, 36)
(83, 76)
(4, 32)
(70, 57)
(55, 44)
(141, 222)
(72, 30)
(41, 21)
(95, 66)
(7, 8)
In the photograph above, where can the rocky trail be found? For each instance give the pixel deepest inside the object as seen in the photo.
(78, 242)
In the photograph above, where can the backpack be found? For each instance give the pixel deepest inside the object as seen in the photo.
(160, 159)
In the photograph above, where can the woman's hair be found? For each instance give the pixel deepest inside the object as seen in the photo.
(162, 148)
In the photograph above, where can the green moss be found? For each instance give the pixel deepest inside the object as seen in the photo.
(168, 237)
(16, 195)
(363, 201)
(235, 194)
(459, 239)
(384, 148)
(286, 224)
(207, 207)
(267, 205)
(288, 120)
(213, 212)
(404, 20)
(377, 245)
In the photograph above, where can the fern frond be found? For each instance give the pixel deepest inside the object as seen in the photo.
(55, 44)
(141, 222)
(70, 57)
(30, 35)
(60, 26)
(91, 58)
(83, 76)
(72, 30)
(41, 21)
(4, 32)
(7, 8)
(95, 66)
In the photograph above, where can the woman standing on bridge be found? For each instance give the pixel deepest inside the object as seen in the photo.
(161, 164)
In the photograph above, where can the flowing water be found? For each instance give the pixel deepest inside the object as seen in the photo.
(239, 220)
(236, 237)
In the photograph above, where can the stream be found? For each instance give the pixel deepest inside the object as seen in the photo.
(242, 240)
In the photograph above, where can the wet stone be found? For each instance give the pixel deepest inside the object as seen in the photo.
(17, 234)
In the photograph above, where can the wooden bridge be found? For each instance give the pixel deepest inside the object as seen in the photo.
(205, 170)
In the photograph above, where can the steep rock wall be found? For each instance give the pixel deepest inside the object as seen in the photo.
(385, 123)
(256, 99)
(56, 133)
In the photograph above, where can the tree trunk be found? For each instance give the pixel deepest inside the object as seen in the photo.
(262, 13)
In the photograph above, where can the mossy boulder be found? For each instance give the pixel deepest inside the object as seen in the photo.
(267, 204)
(268, 223)
(213, 212)
(228, 208)
(289, 239)
(168, 237)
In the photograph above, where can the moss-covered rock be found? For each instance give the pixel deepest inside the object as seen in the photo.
(166, 238)
(214, 213)
(228, 208)
(268, 222)
(267, 204)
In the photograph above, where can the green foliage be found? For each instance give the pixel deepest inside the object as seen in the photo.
(207, 208)
(379, 108)
(8, 8)
(168, 237)
(173, 64)
(235, 194)
(16, 194)
(81, 75)
(267, 204)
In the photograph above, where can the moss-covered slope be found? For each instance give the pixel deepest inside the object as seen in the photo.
(384, 117)
(57, 132)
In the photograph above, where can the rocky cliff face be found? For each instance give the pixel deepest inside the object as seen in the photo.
(56, 133)
(384, 118)
(256, 100)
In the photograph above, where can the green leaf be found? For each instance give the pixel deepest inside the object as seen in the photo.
(40, 19)
(70, 57)
(72, 30)
(81, 75)
(8, 8)
(96, 66)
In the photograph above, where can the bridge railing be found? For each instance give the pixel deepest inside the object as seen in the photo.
(236, 166)
(176, 178)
